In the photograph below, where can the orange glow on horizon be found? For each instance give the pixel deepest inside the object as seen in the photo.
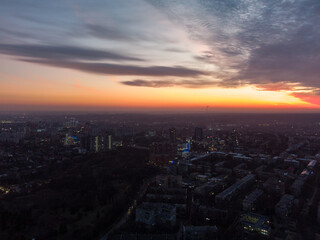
(72, 88)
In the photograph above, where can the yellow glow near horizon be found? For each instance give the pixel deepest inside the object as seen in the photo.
(73, 88)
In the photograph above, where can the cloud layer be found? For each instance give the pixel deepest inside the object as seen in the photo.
(121, 69)
(273, 45)
(62, 53)
(170, 83)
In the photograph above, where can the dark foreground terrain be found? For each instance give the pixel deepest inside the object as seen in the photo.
(74, 199)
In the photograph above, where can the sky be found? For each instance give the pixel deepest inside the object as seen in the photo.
(160, 55)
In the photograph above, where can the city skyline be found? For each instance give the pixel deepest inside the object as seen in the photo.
(160, 55)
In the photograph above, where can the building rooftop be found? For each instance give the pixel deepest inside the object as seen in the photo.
(285, 200)
(256, 222)
(254, 195)
(239, 184)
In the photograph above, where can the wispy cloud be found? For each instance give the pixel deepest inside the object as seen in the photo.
(278, 86)
(121, 69)
(62, 52)
(171, 83)
(107, 32)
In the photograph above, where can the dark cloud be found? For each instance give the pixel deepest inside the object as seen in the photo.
(135, 36)
(278, 86)
(145, 83)
(175, 50)
(296, 60)
(168, 83)
(75, 57)
(256, 42)
(106, 32)
(117, 69)
(62, 52)
(14, 33)
(283, 46)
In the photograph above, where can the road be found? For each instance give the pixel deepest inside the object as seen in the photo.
(130, 210)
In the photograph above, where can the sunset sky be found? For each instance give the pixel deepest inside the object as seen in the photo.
(160, 54)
